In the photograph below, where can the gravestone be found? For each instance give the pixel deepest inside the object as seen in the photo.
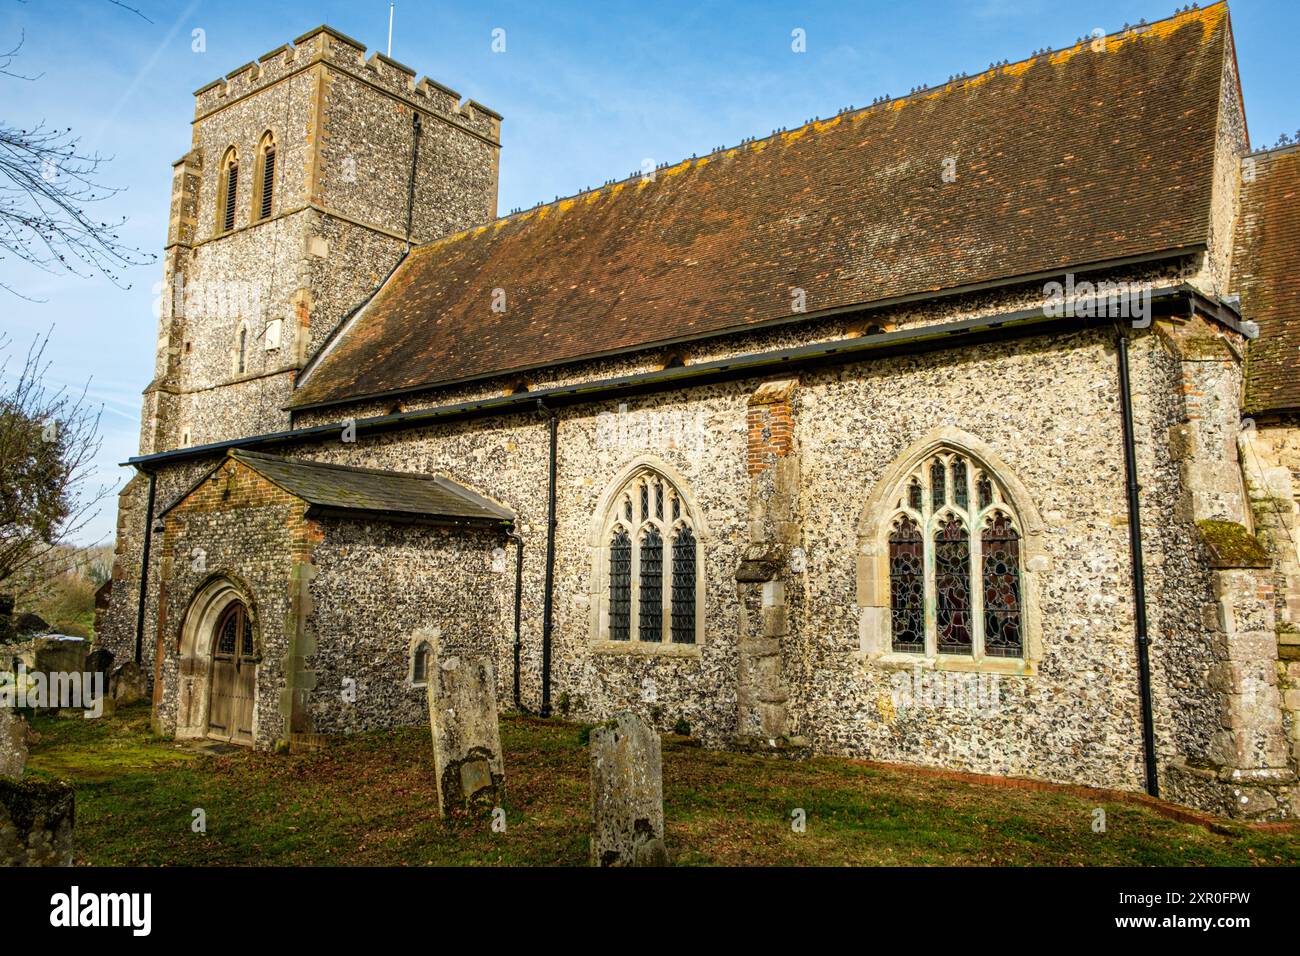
(59, 654)
(128, 684)
(13, 743)
(100, 661)
(35, 823)
(466, 739)
(627, 794)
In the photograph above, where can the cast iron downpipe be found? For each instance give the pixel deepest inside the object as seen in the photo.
(550, 561)
(1139, 578)
(519, 602)
(416, 128)
(144, 569)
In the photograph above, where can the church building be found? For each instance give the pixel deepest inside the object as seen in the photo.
(959, 430)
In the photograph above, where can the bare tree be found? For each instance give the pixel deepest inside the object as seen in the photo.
(48, 442)
(48, 183)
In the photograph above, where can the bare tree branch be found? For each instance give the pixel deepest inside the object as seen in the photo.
(48, 442)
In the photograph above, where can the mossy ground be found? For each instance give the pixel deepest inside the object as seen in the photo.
(369, 800)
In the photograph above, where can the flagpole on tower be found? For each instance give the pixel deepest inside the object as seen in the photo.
(391, 4)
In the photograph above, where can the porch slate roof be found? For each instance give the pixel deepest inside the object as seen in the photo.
(348, 488)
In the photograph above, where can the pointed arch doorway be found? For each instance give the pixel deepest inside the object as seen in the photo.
(234, 676)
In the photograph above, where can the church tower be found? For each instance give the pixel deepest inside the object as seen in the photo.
(311, 172)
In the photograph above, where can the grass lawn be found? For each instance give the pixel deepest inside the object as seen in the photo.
(370, 800)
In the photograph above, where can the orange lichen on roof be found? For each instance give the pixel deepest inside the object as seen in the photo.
(852, 213)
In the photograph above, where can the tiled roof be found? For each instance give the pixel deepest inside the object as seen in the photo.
(1266, 274)
(341, 487)
(1062, 160)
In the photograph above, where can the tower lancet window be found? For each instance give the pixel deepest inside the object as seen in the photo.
(264, 200)
(229, 191)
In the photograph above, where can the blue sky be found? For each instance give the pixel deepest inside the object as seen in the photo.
(588, 92)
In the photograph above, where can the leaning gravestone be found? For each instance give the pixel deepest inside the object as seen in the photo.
(35, 823)
(466, 739)
(627, 794)
(13, 743)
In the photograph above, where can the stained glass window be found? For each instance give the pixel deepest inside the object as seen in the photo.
(938, 489)
(914, 495)
(650, 611)
(984, 492)
(620, 585)
(907, 587)
(683, 622)
(1001, 582)
(960, 495)
(952, 588)
(627, 508)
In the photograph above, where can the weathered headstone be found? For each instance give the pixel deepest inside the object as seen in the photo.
(627, 794)
(99, 664)
(100, 661)
(13, 743)
(466, 738)
(59, 654)
(128, 684)
(36, 821)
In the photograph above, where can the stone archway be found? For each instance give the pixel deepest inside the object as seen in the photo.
(209, 608)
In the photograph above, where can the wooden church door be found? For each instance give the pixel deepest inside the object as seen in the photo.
(234, 677)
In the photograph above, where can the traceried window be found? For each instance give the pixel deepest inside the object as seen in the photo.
(228, 191)
(264, 186)
(651, 561)
(954, 563)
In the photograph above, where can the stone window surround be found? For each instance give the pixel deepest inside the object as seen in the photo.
(606, 516)
(193, 648)
(429, 637)
(874, 524)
